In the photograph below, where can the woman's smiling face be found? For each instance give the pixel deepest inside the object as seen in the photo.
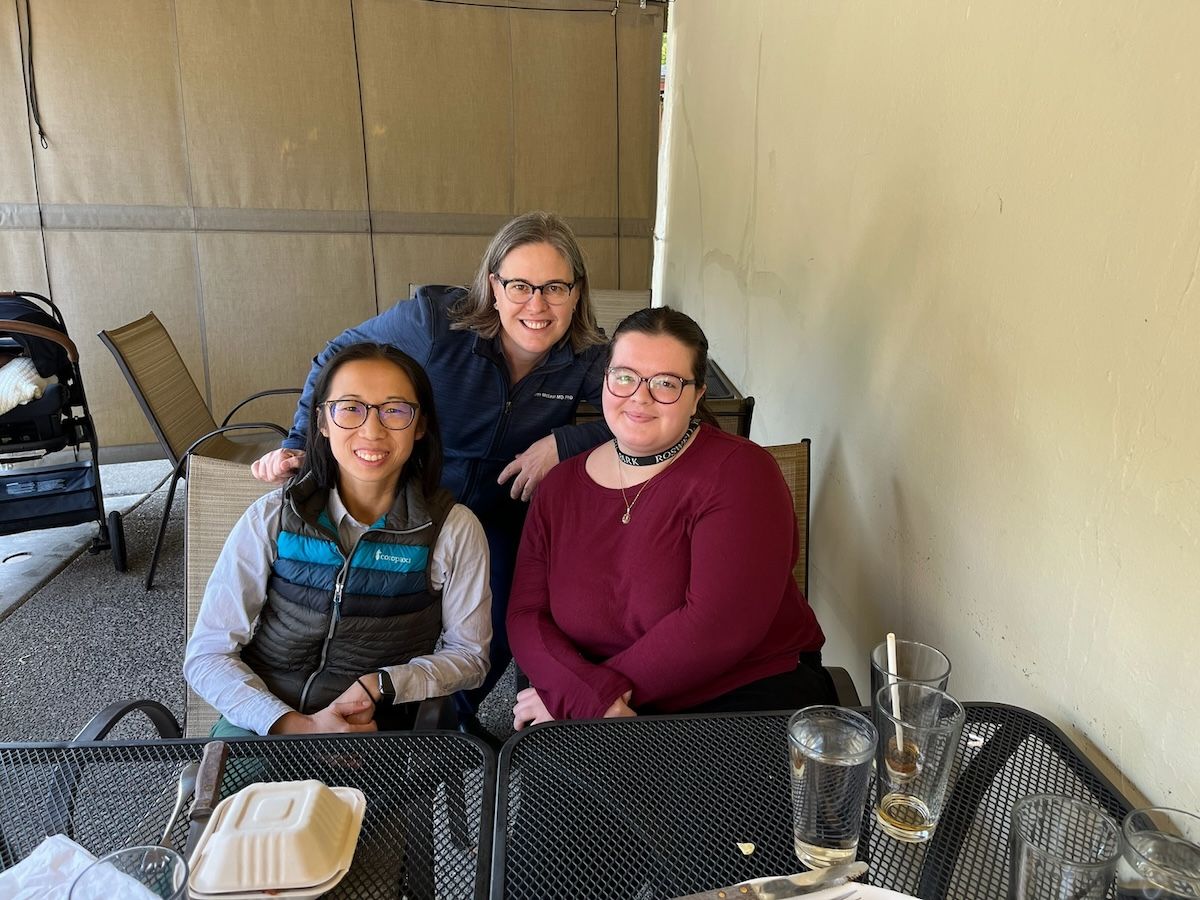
(642, 425)
(530, 329)
(370, 457)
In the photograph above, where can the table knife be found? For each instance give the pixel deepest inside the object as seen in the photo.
(208, 792)
(784, 887)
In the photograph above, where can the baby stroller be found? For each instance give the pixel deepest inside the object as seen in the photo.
(37, 354)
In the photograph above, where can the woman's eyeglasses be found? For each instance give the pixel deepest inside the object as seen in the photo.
(517, 290)
(396, 415)
(663, 387)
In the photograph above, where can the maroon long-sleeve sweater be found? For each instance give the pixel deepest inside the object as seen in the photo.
(691, 599)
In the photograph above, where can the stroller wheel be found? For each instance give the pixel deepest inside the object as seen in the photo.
(116, 540)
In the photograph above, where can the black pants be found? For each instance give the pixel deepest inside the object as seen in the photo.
(396, 716)
(806, 685)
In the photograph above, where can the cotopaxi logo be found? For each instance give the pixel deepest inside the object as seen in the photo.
(380, 556)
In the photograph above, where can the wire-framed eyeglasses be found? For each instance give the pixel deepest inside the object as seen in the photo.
(664, 387)
(518, 290)
(395, 415)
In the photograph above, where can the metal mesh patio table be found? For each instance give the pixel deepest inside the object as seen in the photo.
(428, 825)
(656, 807)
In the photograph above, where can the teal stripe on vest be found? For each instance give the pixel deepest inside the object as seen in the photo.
(304, 549)
(399, 558)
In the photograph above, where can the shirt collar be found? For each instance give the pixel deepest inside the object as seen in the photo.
(338, 512)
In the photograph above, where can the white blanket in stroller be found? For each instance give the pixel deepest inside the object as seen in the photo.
(20, 383)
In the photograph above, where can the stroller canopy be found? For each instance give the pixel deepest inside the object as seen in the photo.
(48, 357)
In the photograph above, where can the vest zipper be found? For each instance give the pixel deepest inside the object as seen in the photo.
(335, 616)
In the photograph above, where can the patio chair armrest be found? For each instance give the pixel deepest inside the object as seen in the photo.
(270, 393)
(102, 722)
(239, 426)
(847, 693)
(436, 714)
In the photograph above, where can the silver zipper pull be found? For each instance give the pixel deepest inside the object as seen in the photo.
(337, 597)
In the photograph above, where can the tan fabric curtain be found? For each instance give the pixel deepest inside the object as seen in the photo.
(264, 173)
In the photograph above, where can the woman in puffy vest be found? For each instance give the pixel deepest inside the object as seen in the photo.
(359, 588)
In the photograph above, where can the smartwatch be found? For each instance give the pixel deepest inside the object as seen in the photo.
(387, 693)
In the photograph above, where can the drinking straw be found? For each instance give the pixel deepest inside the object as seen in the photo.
(895, 692)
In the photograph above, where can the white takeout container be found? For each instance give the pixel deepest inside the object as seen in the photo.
(289, 838)
(308, 893)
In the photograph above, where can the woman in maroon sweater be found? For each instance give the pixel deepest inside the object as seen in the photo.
(655, 572)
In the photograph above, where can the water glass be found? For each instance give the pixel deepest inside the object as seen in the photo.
(919, 727)
(831, 749)
(1161, 859)
(132, 874)
(1061, 849)
(914, 662)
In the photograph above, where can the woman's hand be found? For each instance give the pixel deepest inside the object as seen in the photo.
(529, 467)
(530, 710)
(277, 466)
(337, 718)
(354, 693)
(620, 708)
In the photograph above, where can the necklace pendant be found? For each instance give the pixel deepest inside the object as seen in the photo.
(625, 518)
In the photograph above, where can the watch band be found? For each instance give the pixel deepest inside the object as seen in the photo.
(365, 686)
(387, 693)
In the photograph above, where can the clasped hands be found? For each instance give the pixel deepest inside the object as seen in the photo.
(530, 709)
(353, 711)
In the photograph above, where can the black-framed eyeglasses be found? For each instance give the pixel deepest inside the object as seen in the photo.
(395, 415)
(518, 290)
(664, 387)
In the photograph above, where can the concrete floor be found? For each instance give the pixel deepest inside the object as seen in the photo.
(31, 559)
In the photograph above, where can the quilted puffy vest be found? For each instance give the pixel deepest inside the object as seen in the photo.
(329, 619)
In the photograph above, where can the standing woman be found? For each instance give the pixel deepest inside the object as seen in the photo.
(510, 359)
(655, 573)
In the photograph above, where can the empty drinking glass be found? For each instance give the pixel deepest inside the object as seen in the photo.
(1161, 859)
(914, 662)
(1061, 849)
(133, 873)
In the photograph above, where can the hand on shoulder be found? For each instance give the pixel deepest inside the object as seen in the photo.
(530, 467)
(277, 466)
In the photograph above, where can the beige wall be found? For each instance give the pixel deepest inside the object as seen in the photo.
(957, 245)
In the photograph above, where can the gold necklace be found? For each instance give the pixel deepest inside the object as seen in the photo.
(674, 455)
(628, 504)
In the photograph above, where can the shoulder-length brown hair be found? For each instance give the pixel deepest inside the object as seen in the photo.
(477, 312)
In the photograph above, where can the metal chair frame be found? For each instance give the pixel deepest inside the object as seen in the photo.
(120, 341)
